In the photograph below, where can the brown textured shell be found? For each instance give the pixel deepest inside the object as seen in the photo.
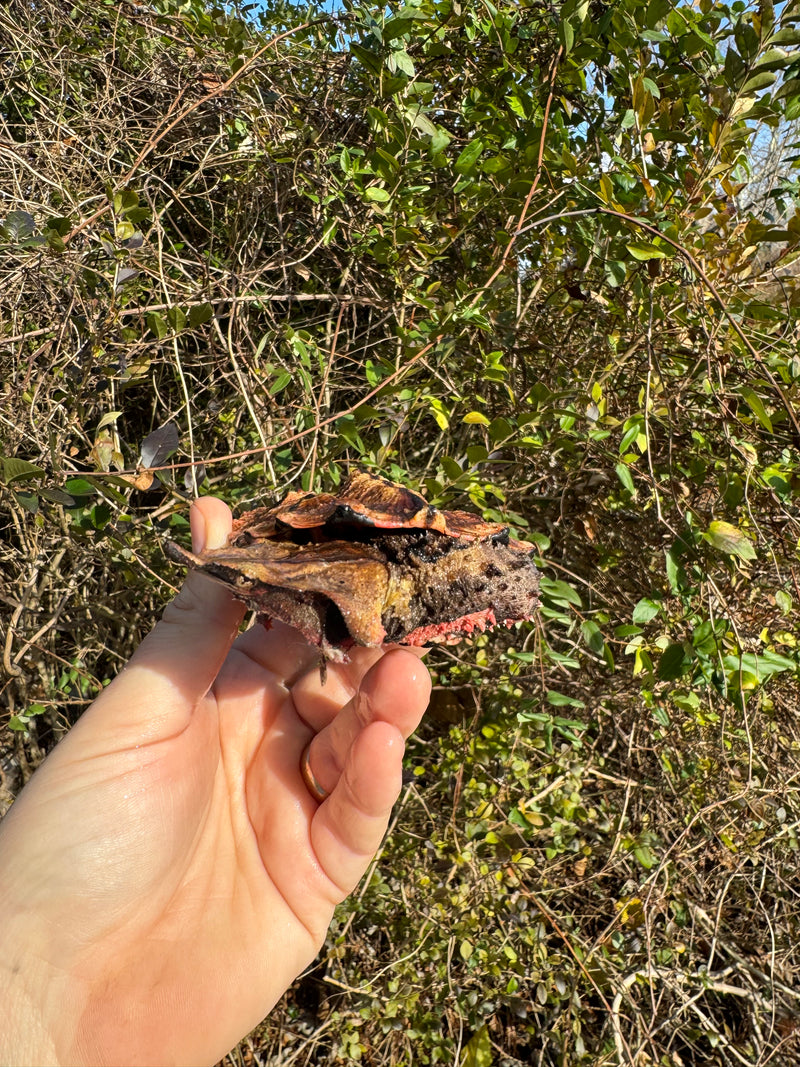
(364, 500)
(372, 563)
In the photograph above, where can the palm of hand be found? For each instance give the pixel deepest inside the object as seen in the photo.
(177, 871)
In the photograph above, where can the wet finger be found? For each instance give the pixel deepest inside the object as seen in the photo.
(396, 690)
(347, 830)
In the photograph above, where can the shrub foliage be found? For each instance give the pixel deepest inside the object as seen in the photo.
(538, 260)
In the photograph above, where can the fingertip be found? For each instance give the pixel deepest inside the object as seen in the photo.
(210, 519)
(402, 670)
(381, 737)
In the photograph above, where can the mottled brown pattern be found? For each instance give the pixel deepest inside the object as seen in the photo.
(373, 563)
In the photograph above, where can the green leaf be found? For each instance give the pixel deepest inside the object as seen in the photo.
(625, 477)
(157, 324)
(566, 35)
(661, 716)
(789, 35)
(645, 856)
(28, 501)
(730, 539)
(401, 22)
(645, 611)
(559, 591)
(99, 516)
(631, 434)
(772, 59)
(756, 406)
(58, 224)
(79, 487)
(440, 140)
(787, 89)
(54, 242)
(394, 28)
(593, 636)
(376, 194)
(329, 231)
(560, 700)
(371, 60)
(124, 230)
(465, 164)
(674, 571)
(177, 318)
(280, 383)
(478, 1050)
(757, 82)
(200, 314)
(615, 272)
(18, 225)
(671, 663)
(784, 601)
(760, 666)
(58, 496)
(500, 430)
(404, 62)
(17, 470)
(125, 200)
(109, 418)
(642, 251)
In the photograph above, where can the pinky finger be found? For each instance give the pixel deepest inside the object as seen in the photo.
(348, 828)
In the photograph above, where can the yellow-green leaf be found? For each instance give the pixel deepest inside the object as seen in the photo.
(728, 538)
(642, 251)
(756, 406)
(108, 418)
(478, 1051)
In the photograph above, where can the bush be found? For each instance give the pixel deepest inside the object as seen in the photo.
(523, 259)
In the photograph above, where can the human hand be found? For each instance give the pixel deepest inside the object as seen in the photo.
(166, 874)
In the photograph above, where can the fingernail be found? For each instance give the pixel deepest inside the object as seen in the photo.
(217, 527)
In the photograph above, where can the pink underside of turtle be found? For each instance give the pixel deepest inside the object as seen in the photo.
(442, 633)
(453, 631)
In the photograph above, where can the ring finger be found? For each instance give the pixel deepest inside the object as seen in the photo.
(395, 690)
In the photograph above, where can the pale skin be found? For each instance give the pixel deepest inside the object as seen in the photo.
(166, 874)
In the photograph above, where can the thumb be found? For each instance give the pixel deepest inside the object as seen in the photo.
(178, 661)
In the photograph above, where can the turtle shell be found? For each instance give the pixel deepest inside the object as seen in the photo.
(366, 500)
(374, 562)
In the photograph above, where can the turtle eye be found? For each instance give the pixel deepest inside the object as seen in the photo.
(344, 515)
